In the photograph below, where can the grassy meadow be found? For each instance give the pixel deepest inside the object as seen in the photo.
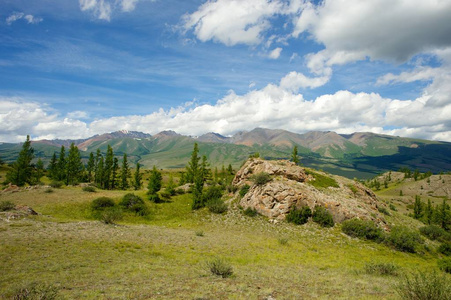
(164, 255)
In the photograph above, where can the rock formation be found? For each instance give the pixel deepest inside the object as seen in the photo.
(290, 187)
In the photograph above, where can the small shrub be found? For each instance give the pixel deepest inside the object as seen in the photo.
(101, 203)
(111, 215)
(424, 286)
(283, 241)
(219, 267)
(155, 198)
(403, 239)
(250, 212)
(244, 189)
(48, 191)
(444, 265)
(383, 210)
(232, 188)
(56, 184)
(135, 204)
(199, 233)
(212, 193)
(261, 178)
(353, 188)
(323, 217)
(383, 269)
(217, 206)
(445, 248)
(179, 191)
(36, 291)
(392, 207)
(362, 229)
(6, 205)
(89, 189)
(299, 216)
(166, 195)
(433, 232)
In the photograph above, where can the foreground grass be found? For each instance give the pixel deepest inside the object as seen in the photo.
(162, 257)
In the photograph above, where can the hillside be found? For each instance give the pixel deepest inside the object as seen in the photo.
(360, 155)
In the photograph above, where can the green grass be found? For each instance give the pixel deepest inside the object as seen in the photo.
(160, 257)
(321, 181)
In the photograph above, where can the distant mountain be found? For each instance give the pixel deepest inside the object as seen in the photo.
(355, 155)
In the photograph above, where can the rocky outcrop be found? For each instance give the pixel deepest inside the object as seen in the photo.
(290, 187)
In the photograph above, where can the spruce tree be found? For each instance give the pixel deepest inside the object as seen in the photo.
(294, 155)
(39, 171)
(428, 213)
(137, 178)
(91, 166)
(193, 165)
(61, 166)
(417, 208)
(74, 166)
(170, 188)
(99, 173)
(108, 168)
(125, 173)
(53, 167)
(114, 173)
(22, 170)
(154, 185)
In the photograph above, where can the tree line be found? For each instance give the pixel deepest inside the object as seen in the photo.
(102, 170)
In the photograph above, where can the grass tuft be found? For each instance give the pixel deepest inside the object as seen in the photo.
(424, 286)
(220, 267)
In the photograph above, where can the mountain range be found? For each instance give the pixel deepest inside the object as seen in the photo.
(360, 155)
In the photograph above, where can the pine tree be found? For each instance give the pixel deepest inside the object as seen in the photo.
(417, 208)
(294, 155)
(108, 168)
(170, 188)
(39, 171)
(22, 170)
(74, 166)
(114, 173)
(428, 212)
(137, 178)
(193, 165)
(445, 215)
(125, 173)
(154, 185)
(91, 166)
(53, 167)
(99, 173)
(61, 166)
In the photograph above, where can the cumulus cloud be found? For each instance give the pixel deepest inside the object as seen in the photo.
(232, 22)
(294, 81)
(275, 54)
(20, 15)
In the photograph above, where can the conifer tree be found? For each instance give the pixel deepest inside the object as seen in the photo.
(170, 188)
(99, 173)
(154, 185)
(61, 166)
(125, 174)
(137, 178)
(417, 208)
(91, 166)
(74, 166)
(22, 170)
(193, 165)
(428, 212)
(114, 173)
(53, 167)
(108, 168)
(39, 171)
(294, 155)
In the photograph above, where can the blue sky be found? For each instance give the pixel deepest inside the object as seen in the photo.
(72, 69)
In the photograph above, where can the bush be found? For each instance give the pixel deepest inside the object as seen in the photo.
(110, 215)
(135, 204)
(383, 210)
(56, 184)
(101, 203)
(48, 191)
(445, 265)
(433, 232)
(6, 205)
(323, 217)
(89, 189)
(217, 206)
(155, 198)
(166, 195)
(212, 193)
(381, 269)
(403, 239)
(36, 291)
(445, 248)
(219, 267)
(362, 229)
(250, 212)
(393, 207)
(283, 241)
(199, 233)
(179, 191)
(299, 216)
(244, 189)
(424, 286)
(261, 178)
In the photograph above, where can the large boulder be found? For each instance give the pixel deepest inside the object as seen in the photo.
(290, 187)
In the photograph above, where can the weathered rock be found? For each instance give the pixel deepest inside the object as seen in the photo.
(11, 188)
(289, 188)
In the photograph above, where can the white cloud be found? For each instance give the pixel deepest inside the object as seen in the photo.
(20, 15)
(294, 81)
(421, 73)
(275, 54)
(232, 22)
(103, 9)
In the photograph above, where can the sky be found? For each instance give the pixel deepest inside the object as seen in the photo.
(70, 69)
